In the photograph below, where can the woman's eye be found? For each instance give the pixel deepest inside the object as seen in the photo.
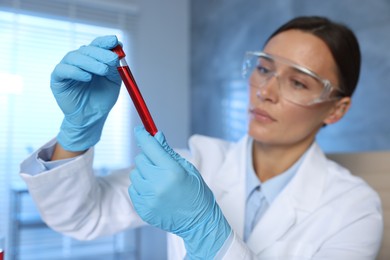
(262, 69)
(298, 85)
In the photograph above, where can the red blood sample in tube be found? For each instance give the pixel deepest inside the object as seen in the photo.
(135, 94)
(1, 254)
(138, 100)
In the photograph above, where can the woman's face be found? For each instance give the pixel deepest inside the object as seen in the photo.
(274, 120)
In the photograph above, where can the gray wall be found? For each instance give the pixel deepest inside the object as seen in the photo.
(162, 66)
(223, 30)
(162, 71)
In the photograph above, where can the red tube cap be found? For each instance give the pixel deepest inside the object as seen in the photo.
(118, 50)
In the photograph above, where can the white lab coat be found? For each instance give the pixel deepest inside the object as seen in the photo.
(323, 213)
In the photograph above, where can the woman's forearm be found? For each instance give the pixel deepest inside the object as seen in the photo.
(60, 153)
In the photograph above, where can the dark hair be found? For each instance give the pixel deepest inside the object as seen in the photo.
(341, 41)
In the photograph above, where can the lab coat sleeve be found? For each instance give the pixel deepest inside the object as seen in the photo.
(73, 201)
(236, 247)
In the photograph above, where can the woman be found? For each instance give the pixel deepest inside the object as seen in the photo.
(272, 195)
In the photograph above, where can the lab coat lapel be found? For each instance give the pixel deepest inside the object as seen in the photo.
(230, 186)
(302, 194)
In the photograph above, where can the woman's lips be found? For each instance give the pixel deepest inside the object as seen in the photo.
(261, 115)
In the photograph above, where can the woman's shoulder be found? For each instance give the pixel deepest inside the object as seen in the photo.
(336, 173)
(336, 181)
(346, 184)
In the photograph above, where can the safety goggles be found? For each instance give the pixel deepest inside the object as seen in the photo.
(297, 84)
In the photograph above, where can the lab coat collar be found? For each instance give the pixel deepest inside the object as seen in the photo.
(308, 185)
(301, 194)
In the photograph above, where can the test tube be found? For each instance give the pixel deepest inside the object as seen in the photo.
(134, 92)
(2, 246)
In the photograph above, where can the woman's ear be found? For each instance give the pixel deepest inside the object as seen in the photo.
(338, 111)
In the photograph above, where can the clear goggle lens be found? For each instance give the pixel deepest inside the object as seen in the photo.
(297, 84)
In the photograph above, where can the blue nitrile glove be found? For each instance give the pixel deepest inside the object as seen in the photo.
(168, 192)
(86, 85)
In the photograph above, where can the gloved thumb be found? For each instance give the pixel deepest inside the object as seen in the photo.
(161, 139)
(155, 148)
(183, 162)
(158, 151)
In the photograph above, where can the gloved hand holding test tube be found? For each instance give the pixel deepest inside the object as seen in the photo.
(200, 204)
(166, 190)
(135, 94)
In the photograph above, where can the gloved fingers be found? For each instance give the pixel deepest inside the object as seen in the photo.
(156, 175)
(144, 165)
(134, 195)
(107, 42)
(141, 186)
(134, 176)
(138, 201)
(113, 75)
(68, 72)
(87, 63)
(105, 56)
(153, 149)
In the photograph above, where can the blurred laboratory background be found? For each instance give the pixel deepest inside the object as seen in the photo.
(186, 57)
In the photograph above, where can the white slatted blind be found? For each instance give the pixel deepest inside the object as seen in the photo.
(98, 12)
(235, 107)
(34, 36)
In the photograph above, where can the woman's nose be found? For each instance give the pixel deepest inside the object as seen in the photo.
(269, 89)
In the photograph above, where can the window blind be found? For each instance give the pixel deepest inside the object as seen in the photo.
(114, 13)
(235, 110)
(35, 35)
